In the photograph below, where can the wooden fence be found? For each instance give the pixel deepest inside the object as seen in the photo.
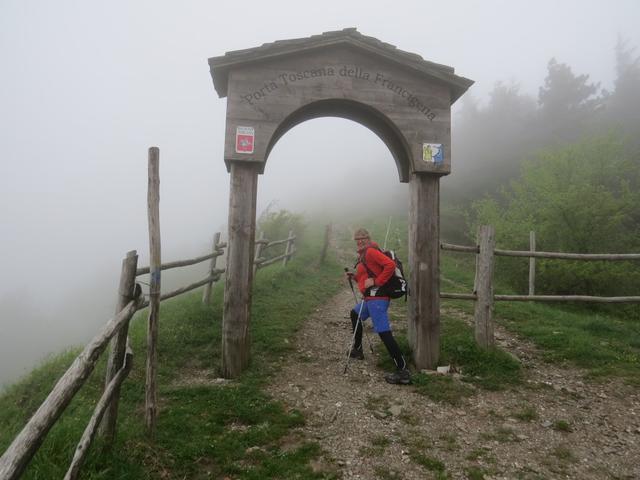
(483, 294)
(130, 299)
(262, 244)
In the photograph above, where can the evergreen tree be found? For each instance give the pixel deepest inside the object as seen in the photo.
(567, 102)
(624, 102)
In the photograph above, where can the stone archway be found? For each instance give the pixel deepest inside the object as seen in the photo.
(402, 98)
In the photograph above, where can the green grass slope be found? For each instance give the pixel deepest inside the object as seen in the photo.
(604, 342)
(205, 430)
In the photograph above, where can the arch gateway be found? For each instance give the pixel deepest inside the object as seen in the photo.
(398, 95)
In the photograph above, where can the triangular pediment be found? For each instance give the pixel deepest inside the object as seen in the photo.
(222, 65)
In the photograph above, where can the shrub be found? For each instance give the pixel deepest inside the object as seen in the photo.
(276, 225)
(580, 198)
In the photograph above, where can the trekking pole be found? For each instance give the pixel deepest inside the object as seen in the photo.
(353, 338)
(384, 247)
(356, 300)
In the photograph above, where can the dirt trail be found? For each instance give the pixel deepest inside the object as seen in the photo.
(557, 425)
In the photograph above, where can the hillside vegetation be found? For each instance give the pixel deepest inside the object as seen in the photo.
(206, 427)
(211, 428)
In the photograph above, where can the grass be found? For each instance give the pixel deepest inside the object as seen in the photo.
(441, 389)
(602, 342)
(448, 442)
(475, 473)
(380, 441)
(564, 453)
(430, 463)
(378, 445)
(500, 434)
(379, 406)
(562, 426)
(204, 430)
(384, 473)
(527, 413)
(491, 369)
(408, 418)
(478, 453)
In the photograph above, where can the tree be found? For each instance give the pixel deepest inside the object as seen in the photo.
(490, 142)
(581, 198)
(567, 102)
(624, 102)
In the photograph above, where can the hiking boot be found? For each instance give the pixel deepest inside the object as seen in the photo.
(356, 353)
(399, 377)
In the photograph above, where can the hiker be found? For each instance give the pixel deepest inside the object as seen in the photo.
(373, 270)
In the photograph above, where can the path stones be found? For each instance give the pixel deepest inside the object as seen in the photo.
(395, 410)
(346, 432)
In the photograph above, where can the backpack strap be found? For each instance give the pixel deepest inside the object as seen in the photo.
(364, 264)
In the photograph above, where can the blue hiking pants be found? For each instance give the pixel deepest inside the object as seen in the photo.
(377, 310)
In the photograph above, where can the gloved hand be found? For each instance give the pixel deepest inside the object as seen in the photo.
(347, 274)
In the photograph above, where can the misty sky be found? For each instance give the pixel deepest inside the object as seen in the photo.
(87, 87)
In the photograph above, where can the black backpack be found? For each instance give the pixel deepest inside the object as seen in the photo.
(396, 286)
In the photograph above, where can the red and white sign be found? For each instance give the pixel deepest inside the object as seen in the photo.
(244, 139)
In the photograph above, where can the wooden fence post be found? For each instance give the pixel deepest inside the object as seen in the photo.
(206, 296)
(116, 359)
(327, 235)
(289, 250)
(259, 246)
(483, 314)
(153, 202)
(532, 264)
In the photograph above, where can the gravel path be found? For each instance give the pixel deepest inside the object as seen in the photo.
(557, 425)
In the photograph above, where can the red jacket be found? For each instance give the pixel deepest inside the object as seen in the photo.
(380, 265)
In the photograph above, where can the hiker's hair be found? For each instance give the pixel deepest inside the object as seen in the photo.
(361, 233)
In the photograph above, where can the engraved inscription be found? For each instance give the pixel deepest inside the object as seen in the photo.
(289, 78)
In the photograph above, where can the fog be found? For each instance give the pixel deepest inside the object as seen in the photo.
(88, 86)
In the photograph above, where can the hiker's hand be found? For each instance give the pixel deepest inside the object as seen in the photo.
(369, 283)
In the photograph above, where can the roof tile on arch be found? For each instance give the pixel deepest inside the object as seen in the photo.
(220, 66)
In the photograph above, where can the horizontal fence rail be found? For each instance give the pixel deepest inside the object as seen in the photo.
(262, 244)
(181, 290)
(564, 298)
(280, 242)
(483, 283)
(185, 263)
(459, 296)
(459, 248)
(569, 256)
